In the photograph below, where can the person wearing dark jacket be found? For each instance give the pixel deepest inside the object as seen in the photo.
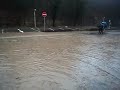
(102, 26)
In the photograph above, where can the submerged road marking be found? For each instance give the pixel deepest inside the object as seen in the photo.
(25, 36)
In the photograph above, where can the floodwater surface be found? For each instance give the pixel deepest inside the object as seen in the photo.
(60, 61)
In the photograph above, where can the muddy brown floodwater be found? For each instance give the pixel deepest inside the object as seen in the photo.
(60, 61)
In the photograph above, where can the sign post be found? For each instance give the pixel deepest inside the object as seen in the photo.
(44, 14)
(44, 23)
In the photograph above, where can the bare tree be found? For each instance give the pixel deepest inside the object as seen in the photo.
(53, 7)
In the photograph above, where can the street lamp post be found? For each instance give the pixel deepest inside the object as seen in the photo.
(35, 18)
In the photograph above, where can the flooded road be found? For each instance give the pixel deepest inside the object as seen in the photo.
(60, 61)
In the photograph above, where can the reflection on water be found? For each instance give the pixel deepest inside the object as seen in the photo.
(60, 61)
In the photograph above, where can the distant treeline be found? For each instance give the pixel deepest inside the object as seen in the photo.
(60, 12)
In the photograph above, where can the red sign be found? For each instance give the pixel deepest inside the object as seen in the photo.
(44, 14)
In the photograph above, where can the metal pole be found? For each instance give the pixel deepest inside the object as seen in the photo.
(103, 19)
(44, 23)
(2, 31)
(35, 18)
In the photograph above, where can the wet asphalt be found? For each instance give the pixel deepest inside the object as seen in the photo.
(80, 60)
